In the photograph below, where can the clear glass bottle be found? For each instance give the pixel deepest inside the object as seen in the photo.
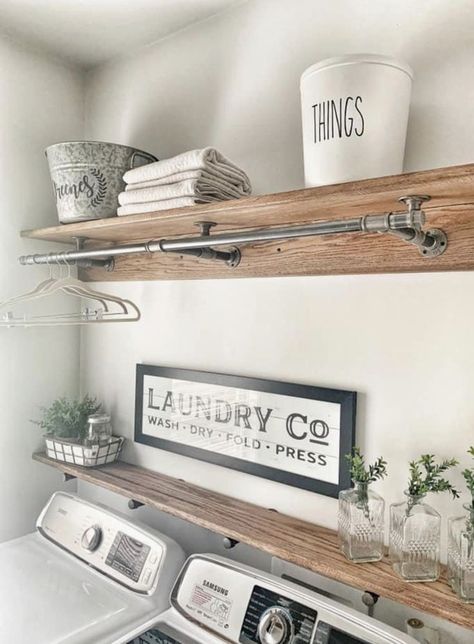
(461, 554)
(99, 430)
(361, 523)
(415, 529)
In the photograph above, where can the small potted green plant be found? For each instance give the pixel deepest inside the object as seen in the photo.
(414, 525)
(461, 543)
(68, 426)
(67, 419)
(361, 511)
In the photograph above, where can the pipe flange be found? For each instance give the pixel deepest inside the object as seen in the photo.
(205, 227)
(414, 202)
(439, 246)
(235, 257)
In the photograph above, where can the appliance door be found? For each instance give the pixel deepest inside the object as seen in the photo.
(162, 634)
(49, 597)
(173, 628)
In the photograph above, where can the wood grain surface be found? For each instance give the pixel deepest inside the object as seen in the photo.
(354, 253)
(446, 186)
(299, 542)
(451, 208)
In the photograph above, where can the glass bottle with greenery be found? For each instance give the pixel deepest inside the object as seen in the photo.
(361, 511)
(461, 544)
(415, 526)
(67, 419)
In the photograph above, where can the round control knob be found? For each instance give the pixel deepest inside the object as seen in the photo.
(275, 626)
(91, 538)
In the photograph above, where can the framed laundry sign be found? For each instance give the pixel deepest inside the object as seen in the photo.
(294, 434)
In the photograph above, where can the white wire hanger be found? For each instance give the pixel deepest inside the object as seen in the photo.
(108, 308)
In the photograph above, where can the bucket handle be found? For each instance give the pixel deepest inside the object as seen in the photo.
(143, 155)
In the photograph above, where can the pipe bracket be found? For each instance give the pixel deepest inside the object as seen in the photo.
(229, 543)
(409, 227)
(134, 505)
(108, 264)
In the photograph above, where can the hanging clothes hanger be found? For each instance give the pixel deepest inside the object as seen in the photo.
(112, 308)
(75, 287)
(38, 289)
(50, 285)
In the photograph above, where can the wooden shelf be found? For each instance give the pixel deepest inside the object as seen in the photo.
(293, 540)
(451, 207)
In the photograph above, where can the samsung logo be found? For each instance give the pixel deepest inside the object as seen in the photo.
(215, 587)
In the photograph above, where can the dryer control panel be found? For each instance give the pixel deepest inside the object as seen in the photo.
(105, 540)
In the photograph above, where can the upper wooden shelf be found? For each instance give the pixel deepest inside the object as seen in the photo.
(451, 190)
(299, 542)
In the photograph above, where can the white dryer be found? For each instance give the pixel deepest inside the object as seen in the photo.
(216, 600)
(88, 575)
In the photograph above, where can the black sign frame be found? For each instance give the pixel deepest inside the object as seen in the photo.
(345, 398)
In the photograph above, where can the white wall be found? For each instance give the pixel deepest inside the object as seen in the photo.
(404, 342)
(41, 102)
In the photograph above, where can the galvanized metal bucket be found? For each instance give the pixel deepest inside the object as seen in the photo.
(87, 177)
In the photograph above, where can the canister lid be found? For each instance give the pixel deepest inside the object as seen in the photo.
(99, 418)
(356, 59)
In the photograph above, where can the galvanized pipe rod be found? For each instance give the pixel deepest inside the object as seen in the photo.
(75, 255)
(382, 223)
(261, 235)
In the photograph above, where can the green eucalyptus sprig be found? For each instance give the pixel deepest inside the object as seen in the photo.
(362, 474)
(426, 476)
(468, 475)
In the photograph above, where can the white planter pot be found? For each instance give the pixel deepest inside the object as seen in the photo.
(355, 113)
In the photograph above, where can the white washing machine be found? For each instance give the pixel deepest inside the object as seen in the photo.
(216, 600)
(86, 576)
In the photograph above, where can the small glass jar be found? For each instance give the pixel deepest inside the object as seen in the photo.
(461, 554)
(361, 523)
(99, 429)
(415, 529)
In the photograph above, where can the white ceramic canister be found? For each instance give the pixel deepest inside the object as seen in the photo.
(355, 114)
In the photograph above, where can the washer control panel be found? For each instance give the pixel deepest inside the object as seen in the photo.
(105, 540)
(246, 606)
(271, 618)
(228, 600)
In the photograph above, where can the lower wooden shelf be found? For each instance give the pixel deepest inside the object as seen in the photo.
(299, 542)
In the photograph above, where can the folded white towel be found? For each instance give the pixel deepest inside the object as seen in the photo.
(164, 181)
(206, 190)
(152, 206)
(207, 160)
(183, 176)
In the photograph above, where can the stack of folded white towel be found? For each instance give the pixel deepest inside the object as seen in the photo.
(198, 176)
